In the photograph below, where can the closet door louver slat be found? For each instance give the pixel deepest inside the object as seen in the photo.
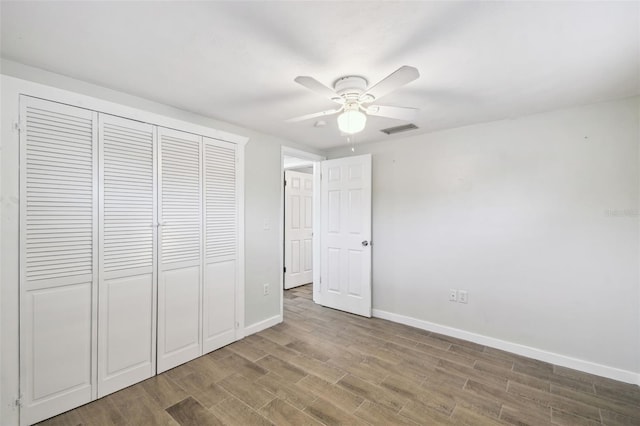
(220, 199)
(180, 182)
(122, 186)
(45, 186)
(58, 257)
(126, 345)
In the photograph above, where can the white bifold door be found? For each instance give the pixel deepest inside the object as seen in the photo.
(345, 257)
(58, 257)
(220, 244)
(198, 246)
(88, 243)
(127, 291)
(180, 272)
(128, 253)
(298, 228)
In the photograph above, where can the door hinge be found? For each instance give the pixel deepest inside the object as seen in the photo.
(17, 126)
(285, 183)
(285, 269)
(237, 325)
(18, 402)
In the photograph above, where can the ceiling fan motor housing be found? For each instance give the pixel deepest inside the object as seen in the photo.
(351, 87)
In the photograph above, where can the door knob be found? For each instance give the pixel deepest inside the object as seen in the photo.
(365, 243)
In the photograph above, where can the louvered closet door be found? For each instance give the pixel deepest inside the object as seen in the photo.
(58, 257)
(127, 290)
(221, 239)
(179, 285)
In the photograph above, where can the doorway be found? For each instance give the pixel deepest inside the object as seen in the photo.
(299, 224)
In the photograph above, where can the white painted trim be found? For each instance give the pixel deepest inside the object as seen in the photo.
(516, 348)
(1, 214)
(240, 287)
(9, 289)
(281, 234)
(317, 228)
(315, 158)
(638, 162)
(262, 325)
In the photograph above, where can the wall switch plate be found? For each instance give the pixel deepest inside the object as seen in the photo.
(453, 295)
(462, 296)
(266, 289)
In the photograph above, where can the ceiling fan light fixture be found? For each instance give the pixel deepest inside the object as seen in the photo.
(355, 97)
(352, 121)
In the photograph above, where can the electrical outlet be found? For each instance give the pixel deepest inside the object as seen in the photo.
(462, 296)
(453, 295)
(266, 289)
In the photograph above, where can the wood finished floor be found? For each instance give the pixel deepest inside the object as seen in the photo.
(326, 367)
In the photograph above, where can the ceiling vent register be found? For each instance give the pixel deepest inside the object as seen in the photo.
(399, 129)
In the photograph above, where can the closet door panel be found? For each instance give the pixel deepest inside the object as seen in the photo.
(181, 312)
(127, 303)
(221, 243)
(180, 281)
(128, 324)
(219, 305)
(60, 315)
(58, 257)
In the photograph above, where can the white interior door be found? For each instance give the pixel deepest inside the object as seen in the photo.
(58, 257)
(298, 230)
(345, 278)
(180, 236)
(127, 289)
(221, 244)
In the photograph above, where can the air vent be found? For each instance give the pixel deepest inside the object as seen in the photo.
(398, 129)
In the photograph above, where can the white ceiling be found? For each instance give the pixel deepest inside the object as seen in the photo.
(236, 61)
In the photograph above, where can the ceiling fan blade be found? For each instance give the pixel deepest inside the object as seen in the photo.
(315, 86)
(399, 113)
(314, 115)
(403, 75)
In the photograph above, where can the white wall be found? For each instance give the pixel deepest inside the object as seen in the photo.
(536, 217)
(262, 245)
(307, 170)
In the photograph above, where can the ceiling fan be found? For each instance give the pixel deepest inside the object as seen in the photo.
(356, 98)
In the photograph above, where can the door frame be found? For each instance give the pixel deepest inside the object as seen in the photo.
(316, 159)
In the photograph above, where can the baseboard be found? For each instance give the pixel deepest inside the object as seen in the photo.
(262, 325)
(516, 348)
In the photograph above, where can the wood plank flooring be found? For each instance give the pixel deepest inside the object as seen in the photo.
(325, 367)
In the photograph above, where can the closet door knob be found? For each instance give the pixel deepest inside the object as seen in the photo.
(365, 243)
